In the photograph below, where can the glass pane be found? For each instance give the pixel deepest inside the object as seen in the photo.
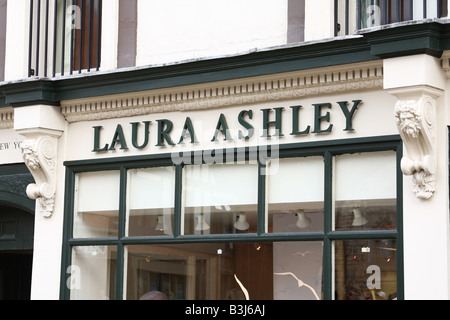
(365, 191)
(225, 271)
(96, 204)
(93, 275)
(296, 195)
(220, 199)
(366, 270)
(151, 197)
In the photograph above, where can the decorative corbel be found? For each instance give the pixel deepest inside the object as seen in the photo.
(39, 152)
(415, 115)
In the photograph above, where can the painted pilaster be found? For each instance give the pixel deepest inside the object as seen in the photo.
(418, 83)
(43, 128)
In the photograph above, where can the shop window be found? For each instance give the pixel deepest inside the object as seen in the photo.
(215, 202)
(96, 205)
(366, 269)
(314, 224)
(98, 265)
(151, 201)
(295, 191)
(365, 192)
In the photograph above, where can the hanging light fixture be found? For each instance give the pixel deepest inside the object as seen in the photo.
(242, 224)
(202, 225)
(303, 221)
(359, 219)
(160, 223)
(163, 225)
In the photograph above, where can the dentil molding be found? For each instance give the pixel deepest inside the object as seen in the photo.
(6, 118)
(415, 115)
(39, 152)
(284, 86)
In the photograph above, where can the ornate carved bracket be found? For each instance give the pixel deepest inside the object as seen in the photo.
(40, 153)
(415, 115)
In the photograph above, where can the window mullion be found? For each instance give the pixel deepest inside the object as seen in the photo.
(400, 265)
(178, 209)
(262, 205)
(328, 267)
(121, 259)
(123, 203)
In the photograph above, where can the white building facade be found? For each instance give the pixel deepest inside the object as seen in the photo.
(224, 150)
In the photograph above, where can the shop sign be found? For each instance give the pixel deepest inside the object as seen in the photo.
(10, 151)
(137, 134)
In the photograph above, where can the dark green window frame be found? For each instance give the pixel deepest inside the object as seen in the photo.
(327, 149)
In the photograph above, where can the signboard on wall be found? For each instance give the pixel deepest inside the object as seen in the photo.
(10, 143)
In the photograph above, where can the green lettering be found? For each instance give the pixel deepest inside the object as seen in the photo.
(349, 114)
(295, 122)
(319, 118)
(164, 128)
(97, 140)
(134, 138)
(119, 137)
(245, 124)
(277, 122)
(222, 127)
(188, 129)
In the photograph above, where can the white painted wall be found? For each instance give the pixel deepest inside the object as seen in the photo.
(178, 30)
(425, 222)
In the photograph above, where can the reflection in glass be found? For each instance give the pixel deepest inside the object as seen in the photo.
(295, 192)
(96, 208)
(298, 270)
(93, 273)
(366, 270)
(226, 271)
(366, 191)
(220, 199)
(151, 197)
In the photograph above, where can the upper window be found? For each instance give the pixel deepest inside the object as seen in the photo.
(64, 37)
(353, 15)
(313, 224)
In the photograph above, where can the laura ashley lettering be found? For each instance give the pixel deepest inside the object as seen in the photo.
(272, 126)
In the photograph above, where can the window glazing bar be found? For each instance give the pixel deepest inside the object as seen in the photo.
(72, 36)
(55, 29)
(80, 49)
(359, 14)
(30, 39)
(38, 36)
(47, 5)
(89, 34)
(99, 27)
(63, 42)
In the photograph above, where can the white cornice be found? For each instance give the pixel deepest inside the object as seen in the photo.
(283, 86)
